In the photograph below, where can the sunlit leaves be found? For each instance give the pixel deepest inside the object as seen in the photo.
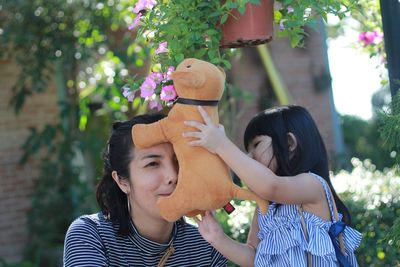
(293, 16)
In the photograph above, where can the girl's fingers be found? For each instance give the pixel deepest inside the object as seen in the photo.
(204, 115)
(210, 214)
(195, 143)
(192, 134)
(195, 124)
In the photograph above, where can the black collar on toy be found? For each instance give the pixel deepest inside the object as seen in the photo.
(196, 102)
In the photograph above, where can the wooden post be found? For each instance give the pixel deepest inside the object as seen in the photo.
(390, 11)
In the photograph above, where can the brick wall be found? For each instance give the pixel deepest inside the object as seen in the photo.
(298, 69)
(16, 182)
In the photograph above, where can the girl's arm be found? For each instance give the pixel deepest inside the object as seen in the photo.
(300, 189)
(211, 231)
(252, 238)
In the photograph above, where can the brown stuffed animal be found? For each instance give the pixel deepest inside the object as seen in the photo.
(204, 182)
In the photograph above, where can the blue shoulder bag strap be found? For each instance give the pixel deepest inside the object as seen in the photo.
(336, 231)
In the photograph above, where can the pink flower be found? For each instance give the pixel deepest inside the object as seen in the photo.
(168, 93)
(144, 4)
(167, 75)
(148, 87)
(290, 9)
(162, 48)
(128, 94)
(368, 38)
(154, 104)
(157, 77)
(135, 21)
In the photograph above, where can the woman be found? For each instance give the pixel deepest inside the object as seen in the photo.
(129, 230)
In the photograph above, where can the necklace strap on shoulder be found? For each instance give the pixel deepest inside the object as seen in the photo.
(168, 252)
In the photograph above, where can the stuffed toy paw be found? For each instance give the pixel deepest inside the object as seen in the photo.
(204, 181)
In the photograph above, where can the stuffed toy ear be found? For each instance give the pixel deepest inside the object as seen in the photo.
(223, 71)
(189, 79)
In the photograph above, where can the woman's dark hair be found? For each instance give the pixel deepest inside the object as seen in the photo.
(117, 156)
(310, 154)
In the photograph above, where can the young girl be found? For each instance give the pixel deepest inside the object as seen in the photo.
(286, 164)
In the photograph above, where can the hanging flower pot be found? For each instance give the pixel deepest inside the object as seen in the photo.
(254, 27)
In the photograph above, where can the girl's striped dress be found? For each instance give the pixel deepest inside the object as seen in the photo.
(283, 243)
(92, 240)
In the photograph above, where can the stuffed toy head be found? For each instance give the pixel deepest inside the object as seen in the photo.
(192, 76)
(204, 180)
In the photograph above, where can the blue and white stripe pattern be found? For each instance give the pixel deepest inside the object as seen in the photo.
(92, 240)
(282, 240)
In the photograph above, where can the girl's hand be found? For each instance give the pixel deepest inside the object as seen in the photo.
(209, 228)
(209, 135)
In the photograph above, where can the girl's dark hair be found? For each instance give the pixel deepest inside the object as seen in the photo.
(310, 154)
(117, 156)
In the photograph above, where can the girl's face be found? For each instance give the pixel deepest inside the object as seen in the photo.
(154, 173)
(260, 149)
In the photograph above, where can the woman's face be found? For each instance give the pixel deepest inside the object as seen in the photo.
(260, 149)
(154, 173)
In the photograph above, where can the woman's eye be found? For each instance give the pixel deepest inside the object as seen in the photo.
(256, 144)
(152, 164)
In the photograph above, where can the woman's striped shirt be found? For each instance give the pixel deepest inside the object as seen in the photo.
(92, 240)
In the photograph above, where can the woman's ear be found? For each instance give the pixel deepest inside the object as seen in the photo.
(292, 142)
(123, 184)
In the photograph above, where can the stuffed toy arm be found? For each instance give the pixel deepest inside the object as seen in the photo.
(147, 135)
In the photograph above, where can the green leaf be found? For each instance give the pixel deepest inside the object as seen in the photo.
(200, 53)
(295, 40)
(179, 58)
(277, 16)
(242, 9)
(232, 5)
(227, 64)
(214, 14)
(212, 32)
(83, 122)
(224, 18)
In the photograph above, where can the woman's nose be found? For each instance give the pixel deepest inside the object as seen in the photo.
(171, 175)
(172, 180)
